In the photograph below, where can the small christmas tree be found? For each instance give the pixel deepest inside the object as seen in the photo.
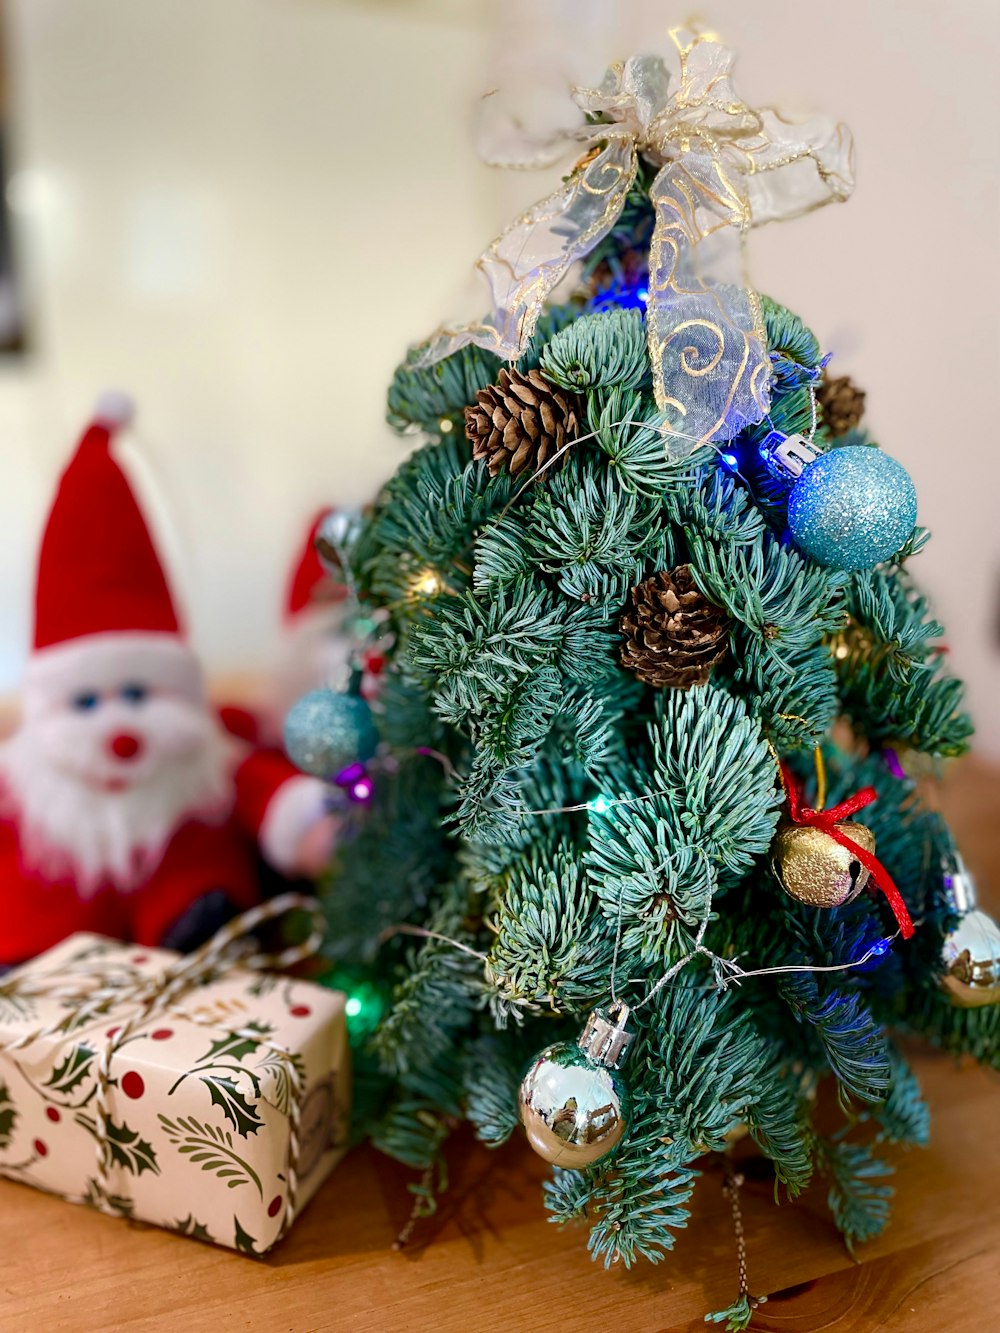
(636, 581)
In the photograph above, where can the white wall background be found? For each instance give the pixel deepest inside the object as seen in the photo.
(243, 210)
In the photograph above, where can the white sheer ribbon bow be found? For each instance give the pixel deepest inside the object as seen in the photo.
(722, 168)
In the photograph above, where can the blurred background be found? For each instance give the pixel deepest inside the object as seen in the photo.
(242, 211)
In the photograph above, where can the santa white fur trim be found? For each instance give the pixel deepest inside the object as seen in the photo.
(103, 662)
(292, 812)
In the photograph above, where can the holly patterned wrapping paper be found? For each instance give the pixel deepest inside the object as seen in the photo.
(199, 1101)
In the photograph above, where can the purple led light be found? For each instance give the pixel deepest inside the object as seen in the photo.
(361, 791)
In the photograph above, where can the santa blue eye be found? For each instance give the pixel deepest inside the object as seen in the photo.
(86, 700)
(134, 694)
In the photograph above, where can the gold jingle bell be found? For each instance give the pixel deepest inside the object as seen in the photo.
(814, 869)
(970, 954)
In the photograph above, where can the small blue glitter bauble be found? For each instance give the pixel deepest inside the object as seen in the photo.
(852, 508)
(326, 731)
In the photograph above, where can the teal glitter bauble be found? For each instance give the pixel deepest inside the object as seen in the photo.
(852, 508)
(326, 731)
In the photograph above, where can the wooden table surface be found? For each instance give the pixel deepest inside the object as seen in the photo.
(490, 1260)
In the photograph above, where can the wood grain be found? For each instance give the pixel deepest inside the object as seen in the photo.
(490, 1260)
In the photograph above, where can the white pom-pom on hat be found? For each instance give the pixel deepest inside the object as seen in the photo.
(114, 407)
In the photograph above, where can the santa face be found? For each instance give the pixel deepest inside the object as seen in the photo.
(120, 739)
(117, 749)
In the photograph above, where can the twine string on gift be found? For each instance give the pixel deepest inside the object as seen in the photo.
(94, 996)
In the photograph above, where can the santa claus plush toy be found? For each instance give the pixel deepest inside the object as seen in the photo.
(125, 806)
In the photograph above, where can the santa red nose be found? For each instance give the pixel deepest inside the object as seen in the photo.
(124, 746)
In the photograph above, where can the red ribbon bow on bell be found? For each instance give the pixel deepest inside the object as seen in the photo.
(827, 821)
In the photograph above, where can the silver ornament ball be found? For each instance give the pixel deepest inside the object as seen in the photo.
(333, 537)
(574, 1112)
(970, 953)
(575, 1104)
(971, 958)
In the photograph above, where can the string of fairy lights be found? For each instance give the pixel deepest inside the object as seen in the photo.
(428, 583)
(726, 972)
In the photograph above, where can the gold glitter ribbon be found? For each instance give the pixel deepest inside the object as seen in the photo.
(723, 167)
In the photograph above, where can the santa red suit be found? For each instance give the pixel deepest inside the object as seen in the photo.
(125, 805)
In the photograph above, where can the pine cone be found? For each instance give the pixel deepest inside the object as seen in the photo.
(521, 421)
(841, 402)
(673, 634)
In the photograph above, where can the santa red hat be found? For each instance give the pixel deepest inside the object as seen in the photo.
(310, 583)
(98, 570)
(100, 583)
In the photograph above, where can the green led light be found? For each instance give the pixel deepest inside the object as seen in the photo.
(599, 805)
(353, 1007)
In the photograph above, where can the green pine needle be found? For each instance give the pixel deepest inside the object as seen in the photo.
(581, 831)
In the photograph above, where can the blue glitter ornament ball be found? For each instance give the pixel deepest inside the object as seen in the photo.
(852, 507)
(326, 731)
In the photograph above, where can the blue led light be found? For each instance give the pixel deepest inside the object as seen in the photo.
(622, 296)
(599, 805)
(871, 953)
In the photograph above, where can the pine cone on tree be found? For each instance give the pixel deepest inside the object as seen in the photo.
(841, 402)
(673, 634)
(520, 422)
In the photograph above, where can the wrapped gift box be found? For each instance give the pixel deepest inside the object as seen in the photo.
(225, 1104)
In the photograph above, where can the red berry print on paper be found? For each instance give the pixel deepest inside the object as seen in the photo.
(132, 1085)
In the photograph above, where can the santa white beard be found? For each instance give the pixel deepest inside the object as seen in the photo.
(84, 815)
